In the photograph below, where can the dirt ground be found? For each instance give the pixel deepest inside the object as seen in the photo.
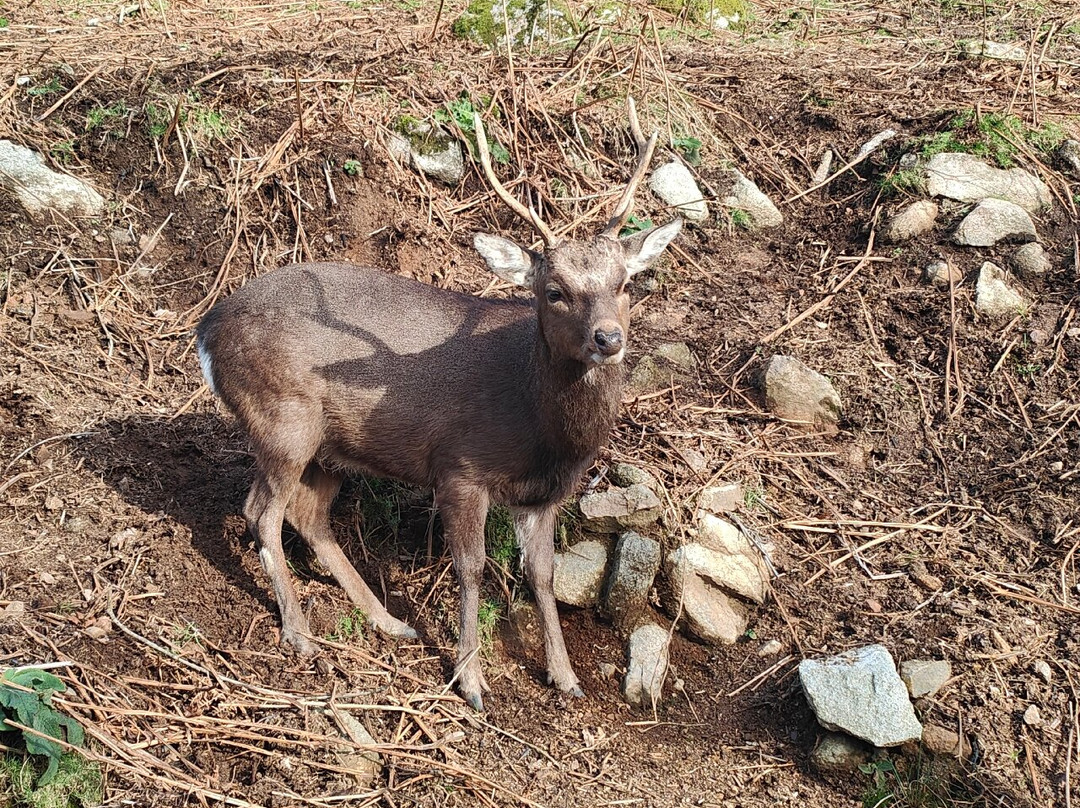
(941, 521)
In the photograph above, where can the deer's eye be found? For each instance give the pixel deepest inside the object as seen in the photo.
(554, 296)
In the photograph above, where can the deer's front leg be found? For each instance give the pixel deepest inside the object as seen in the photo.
(464, 510)
(535, 530)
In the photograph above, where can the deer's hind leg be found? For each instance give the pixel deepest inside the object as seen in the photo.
(309, 513)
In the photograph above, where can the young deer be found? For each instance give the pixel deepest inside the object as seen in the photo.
(334, 368)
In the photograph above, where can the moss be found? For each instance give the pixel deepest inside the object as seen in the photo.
(702, 12)
(77, 783)
(514, 22)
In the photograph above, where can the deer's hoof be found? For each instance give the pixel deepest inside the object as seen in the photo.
(301, 645)
(475, 700)
(576, 692)
(395, 628)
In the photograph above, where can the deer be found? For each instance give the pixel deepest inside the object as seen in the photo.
(335, 369)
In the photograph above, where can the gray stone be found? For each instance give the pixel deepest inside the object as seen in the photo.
(911, 221)
(794, 392)
(647, 665)
(770, 648)
(1031, 260)
(993, 297)
(712, 578)
(859, 692)
(634, 566)
(677, 353)
(721, 498)
(742, 194)
(938, 274)
(994, 220)
(694, 459)
(431, 150)
(365, 765)
(624, 475)
(966, 178)
(1069, 154)
(579, 573)
(837, 753)
(38, 188)
(1010, 52)
(635, 506)
(676, 186)
(924, 677)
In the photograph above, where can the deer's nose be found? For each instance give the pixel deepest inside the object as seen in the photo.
(610, 342)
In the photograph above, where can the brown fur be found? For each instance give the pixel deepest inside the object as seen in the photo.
(336, 368)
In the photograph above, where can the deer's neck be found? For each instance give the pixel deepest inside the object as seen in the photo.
(577, 406)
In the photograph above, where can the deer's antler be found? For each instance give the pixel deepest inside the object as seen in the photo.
(645, 151)
(528, 214)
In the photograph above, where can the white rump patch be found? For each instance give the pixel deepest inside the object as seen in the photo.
(207, 365)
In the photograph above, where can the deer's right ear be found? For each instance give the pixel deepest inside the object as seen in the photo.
(506, 259)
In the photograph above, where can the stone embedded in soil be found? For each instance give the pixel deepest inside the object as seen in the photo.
(911, 221)
(24, 174)
(635, 506)
(770, 648)
(712, 579)
(993, 296)
(1031, 260)
(721, 498)
(677, 353)
(966, 178)
(633, 569)
(431, 150)
(676, 186)
(942, 741)
(794, 392)
(938, 273)
(365, 765)
(742, 194)
(924, 578)
(994, 220)
(837, 753)
(624, 475)
(579, 573)
(1069, 154)
(646, 666)
(924, 677)
(860, 692)
(988, 49)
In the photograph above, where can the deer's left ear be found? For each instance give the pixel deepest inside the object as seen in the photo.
(641, 249)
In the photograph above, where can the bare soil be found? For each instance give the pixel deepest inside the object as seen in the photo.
(942, 521)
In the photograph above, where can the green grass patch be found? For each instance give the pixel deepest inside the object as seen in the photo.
(63, 151)
(500, 538)
(904, 181)
(918, 782)
(50, 87)
(352, 168)
(741, 219)
(993, 136)
(76, 783)
(348, 626)
(102, 116)
(488, 617)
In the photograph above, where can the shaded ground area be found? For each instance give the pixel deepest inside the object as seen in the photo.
(941, 521)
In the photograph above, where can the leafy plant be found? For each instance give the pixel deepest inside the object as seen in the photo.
(48, 88)
(26, 698)
(63, 151)
(460, 111)
(690, 148)
(4, 22)
(635, 225)
(919, 782)
(352, 167)
(348, 626)
(741, 219)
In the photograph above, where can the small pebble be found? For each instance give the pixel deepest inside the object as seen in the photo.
(1032, 716)
(1038, 336)
(1042, 667)
(771, 648)
(608, 671)
(1057, 467)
